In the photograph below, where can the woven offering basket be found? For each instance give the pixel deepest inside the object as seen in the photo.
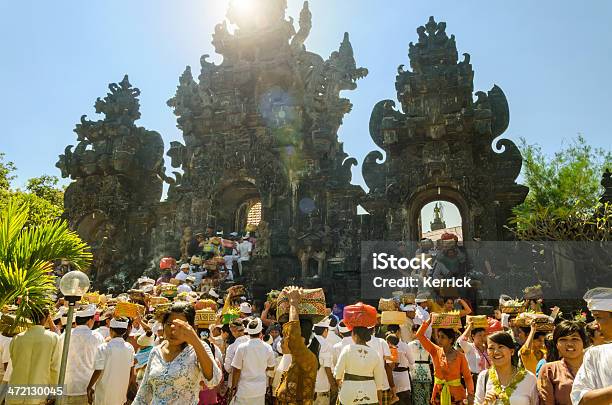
(393, 318)
(446, 320)
(478, 321)
(205, 317)
(129, 309)
(168, 290)
(388, 304)
(311, 306)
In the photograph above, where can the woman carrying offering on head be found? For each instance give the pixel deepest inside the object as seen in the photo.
(297, 383)
(449, 366)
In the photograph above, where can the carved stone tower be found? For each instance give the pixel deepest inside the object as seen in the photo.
(116, 168)
(262, 127)
(438, 147)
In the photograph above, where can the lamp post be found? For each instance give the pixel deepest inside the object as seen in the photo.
(73, 286)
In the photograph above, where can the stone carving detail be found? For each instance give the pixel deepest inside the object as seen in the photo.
(117, 168)
(262, 249)
(441, 140)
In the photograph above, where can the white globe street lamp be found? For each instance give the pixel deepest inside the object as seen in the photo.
(73, 286)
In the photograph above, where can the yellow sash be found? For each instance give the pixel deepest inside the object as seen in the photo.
(445, 395)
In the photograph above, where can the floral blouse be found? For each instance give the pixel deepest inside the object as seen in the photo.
(176, 382)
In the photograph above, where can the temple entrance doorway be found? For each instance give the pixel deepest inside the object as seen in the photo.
(440, 217)
(436, 211)
(239, 207)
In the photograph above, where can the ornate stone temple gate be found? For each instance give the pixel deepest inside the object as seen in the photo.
(261, 127)
(439, 147)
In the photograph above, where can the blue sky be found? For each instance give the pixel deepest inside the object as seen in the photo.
(553, 59)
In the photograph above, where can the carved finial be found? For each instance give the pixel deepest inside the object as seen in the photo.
(431, 26)
(346, 49)
(305, 26)
(121, 103)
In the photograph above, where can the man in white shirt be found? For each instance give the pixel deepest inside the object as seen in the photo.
(346, 339)
(245, 310)
(593, 382)
(422, 314)
(183, 273)
(186, 286)
(405, 361)
(245, 247)
(230, 257)
(113, 365)
(249, 365)
(237, 329)
(104, 329)
(332, 337)
(384, 352)
(406, 329)
(325, 384)
(5, 358)
(81, 356)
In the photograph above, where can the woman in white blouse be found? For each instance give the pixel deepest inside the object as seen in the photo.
(179, 363)
(504, 382)
(359, 371)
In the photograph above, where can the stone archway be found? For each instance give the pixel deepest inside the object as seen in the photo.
(233, 203)
(91, 226)
(439, 217)
(416, 203)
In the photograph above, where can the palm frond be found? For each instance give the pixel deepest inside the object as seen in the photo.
(26, 259)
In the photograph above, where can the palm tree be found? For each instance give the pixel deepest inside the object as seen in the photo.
(26, 259)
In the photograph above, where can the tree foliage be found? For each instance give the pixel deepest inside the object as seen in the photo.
(564, 191)
(6, 176)
(43, 196)
(27, 253)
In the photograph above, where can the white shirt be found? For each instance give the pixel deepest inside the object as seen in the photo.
(253, 358)
(183, 288)
(337, 348)
(81, 356)
(382, 348)
(115, 359)
(364, 361)
(325, 360)
(406, 331)
(181, 276)
(104, 331)
(526, 392)
(229, 356)
(229, 259)
(473, 356)
(402, 378)
(332, 338)
(5, 356)
(595, 372)
(421, 315)
(244, 248)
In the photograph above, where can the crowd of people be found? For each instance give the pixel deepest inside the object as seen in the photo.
(168, 342)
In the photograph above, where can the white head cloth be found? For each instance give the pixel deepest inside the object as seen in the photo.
(89, 310)
(114, 323)
(599, 299)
